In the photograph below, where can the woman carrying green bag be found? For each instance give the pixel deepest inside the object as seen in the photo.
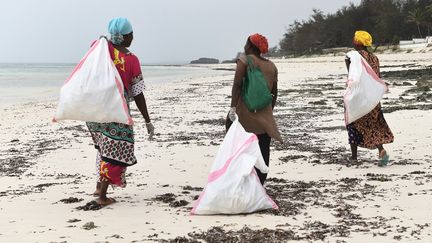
(254, 95)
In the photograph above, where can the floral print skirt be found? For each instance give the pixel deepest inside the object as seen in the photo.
(370, 130)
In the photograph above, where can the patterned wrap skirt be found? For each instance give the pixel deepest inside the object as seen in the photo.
(370, 130)
(115, 145)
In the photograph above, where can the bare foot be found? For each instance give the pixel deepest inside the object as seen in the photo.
(96, 193)
(106, 201)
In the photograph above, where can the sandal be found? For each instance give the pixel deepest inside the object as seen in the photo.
(383, 159)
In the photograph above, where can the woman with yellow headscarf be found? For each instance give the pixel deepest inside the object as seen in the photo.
(370, 131)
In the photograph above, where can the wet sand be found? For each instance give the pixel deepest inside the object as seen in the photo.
(47, 170)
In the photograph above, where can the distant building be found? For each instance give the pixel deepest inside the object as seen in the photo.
(416, 43)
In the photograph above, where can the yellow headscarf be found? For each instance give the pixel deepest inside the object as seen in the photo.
(363, 37)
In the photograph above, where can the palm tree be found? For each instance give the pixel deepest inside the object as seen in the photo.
(429, 9)
(428, 18)
(417, 16)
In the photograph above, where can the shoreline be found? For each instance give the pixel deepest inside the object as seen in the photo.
(321, 196)
(21, 93)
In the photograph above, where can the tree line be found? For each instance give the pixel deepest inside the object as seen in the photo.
(388, 21)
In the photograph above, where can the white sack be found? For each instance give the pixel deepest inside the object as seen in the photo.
(94, 91)
(364, 88)
(233, 186)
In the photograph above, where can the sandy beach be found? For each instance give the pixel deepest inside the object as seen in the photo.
(47, 169)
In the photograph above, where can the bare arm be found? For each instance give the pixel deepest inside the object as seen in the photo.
(240, 73)
(347, 63)
(274, 90)
(379, 70)
(142, 106)
(274, 93)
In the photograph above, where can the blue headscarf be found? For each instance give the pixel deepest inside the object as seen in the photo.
(118, 27)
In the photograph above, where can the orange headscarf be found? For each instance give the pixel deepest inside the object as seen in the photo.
(259, 41)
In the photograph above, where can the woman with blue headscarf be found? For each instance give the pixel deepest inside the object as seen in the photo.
(115, 141)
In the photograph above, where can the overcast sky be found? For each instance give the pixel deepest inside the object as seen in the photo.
(165, 31)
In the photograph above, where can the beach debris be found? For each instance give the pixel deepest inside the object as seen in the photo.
(20, 158)
(190, 188)
(90, 206)
(180, 203)
(14, 166)
(78, 128)
(408, 74)
(397, 237)
(71, 200)
(73, 220)
(27, 190)
(115, 236)
(41, 187)
(170, 199)
(218, 234)
(292, 158)
(89, 225)
(166, 198)
(378, 177)
(417, 172)
(211, 122)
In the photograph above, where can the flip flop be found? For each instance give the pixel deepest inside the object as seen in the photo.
(383, 160)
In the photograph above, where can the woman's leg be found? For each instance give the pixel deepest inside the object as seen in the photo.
(98, 183)
(103, 199)
(98, 189)
(380, 149)
(264, 143)
(353, 151)
(110, 175)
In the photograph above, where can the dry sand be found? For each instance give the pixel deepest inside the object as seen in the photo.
(47, 170)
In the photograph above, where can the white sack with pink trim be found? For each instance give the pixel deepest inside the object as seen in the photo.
(94, 92)
(233, 186)
(364, 88)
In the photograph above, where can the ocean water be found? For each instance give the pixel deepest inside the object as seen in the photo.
(30, 82)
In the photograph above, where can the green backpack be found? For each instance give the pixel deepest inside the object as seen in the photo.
(255, 91)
